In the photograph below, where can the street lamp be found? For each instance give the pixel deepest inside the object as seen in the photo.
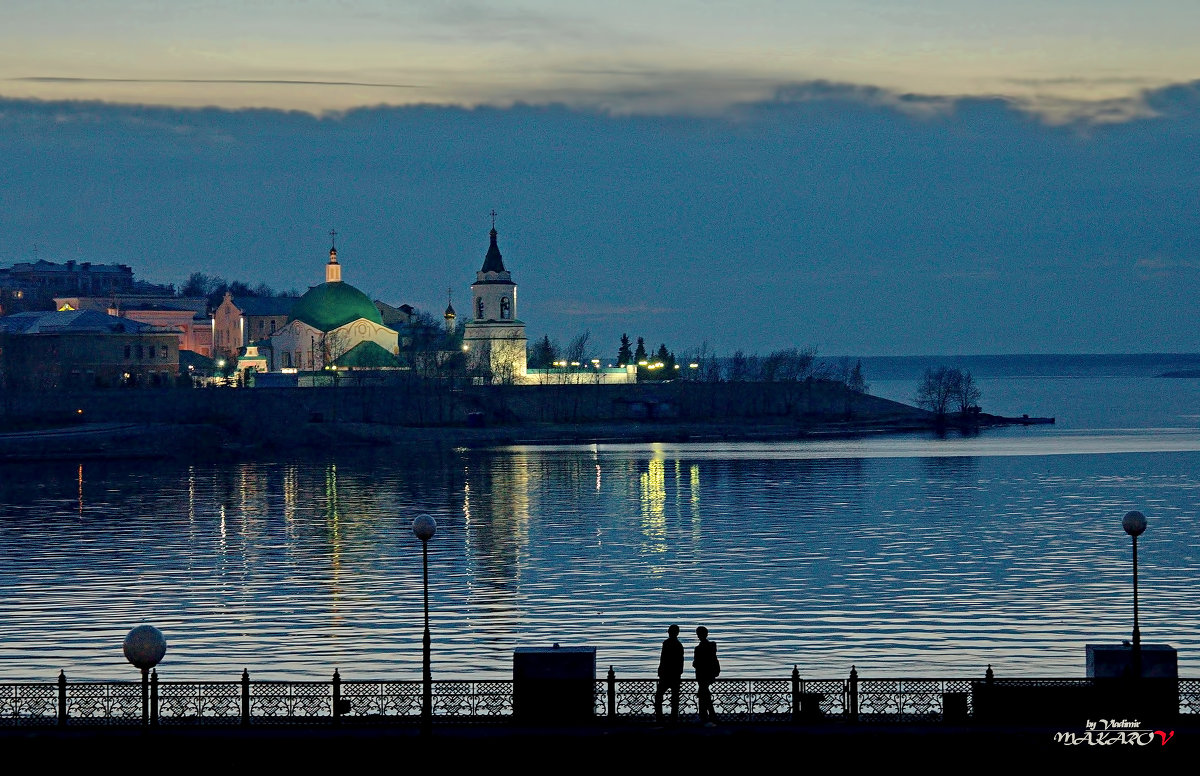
(144, 647)
(1134, 524)
(424, 527)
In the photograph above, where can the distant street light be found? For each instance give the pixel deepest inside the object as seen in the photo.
(424, 527)
(144, 647)
(1134, 524)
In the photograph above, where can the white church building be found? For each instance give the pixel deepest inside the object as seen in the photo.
(494, 337)
(334, 323)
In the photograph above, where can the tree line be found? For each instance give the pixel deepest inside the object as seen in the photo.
(700, 364)
(214, 288)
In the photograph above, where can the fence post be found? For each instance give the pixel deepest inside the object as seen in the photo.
(853, 691)
(245, 696)
(988, 676)
(337, 697)
(795, 693)
(62, 698)
(612, 694)
(154, 697)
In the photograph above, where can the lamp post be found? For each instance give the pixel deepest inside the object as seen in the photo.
(1134, 524)
(424, 527)
(144, 647)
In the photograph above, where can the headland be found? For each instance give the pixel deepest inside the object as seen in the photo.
(232, 421)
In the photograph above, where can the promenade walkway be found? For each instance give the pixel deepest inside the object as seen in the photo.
(616, 748)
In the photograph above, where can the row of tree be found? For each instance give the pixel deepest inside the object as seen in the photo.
(213, 287)
(701, 364)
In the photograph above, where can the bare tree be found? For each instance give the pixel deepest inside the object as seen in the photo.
(576, 352)
(332, 346)
(739, 367)
(788, 365)
(937, 389)
(504, 360)
(966, 392)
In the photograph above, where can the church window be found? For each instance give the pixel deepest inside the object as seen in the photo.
(505, 313)
(479, 307)
(287, 360)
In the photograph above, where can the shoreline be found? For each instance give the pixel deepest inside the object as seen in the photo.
(117, 441)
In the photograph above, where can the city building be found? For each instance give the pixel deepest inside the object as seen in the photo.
(395, 316)
(242, 320)
(33, 285)
(84, 349)
(187, 315)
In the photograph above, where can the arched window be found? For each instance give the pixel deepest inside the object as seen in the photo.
(479, 307)
(505, 313)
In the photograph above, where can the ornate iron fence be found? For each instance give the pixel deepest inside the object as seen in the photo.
(1189, 696)
(339, 702)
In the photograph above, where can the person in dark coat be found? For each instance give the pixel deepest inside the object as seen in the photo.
(708, 668)
(670, 674)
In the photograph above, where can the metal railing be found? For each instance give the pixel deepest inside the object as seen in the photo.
(341, 702)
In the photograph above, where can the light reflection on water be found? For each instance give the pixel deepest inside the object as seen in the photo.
(903, 556)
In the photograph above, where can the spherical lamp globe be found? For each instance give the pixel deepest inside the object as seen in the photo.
(145, 646)
(424, 527)
(1134, 523)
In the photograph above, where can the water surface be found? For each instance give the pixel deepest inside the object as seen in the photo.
(907, 555)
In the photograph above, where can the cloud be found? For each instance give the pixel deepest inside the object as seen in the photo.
(1163, 267)
(477, 21)
(854, 219)
(257, 81)
(1142, 81)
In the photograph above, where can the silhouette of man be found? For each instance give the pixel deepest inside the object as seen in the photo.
(708, 668)
(670, 674)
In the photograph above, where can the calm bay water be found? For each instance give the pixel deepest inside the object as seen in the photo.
(907, 555)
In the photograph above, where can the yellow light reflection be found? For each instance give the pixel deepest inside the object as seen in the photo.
(654, 499)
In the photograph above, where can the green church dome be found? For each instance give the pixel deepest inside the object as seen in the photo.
(330, 305)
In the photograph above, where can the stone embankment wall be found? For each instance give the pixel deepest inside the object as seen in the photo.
(259, 411)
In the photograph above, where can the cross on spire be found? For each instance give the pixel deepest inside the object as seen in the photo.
(493, 215)
(333, 238)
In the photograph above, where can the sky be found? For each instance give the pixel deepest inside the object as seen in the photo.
(863, 177)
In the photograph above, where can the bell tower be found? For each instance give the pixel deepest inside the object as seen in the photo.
(493, 335)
